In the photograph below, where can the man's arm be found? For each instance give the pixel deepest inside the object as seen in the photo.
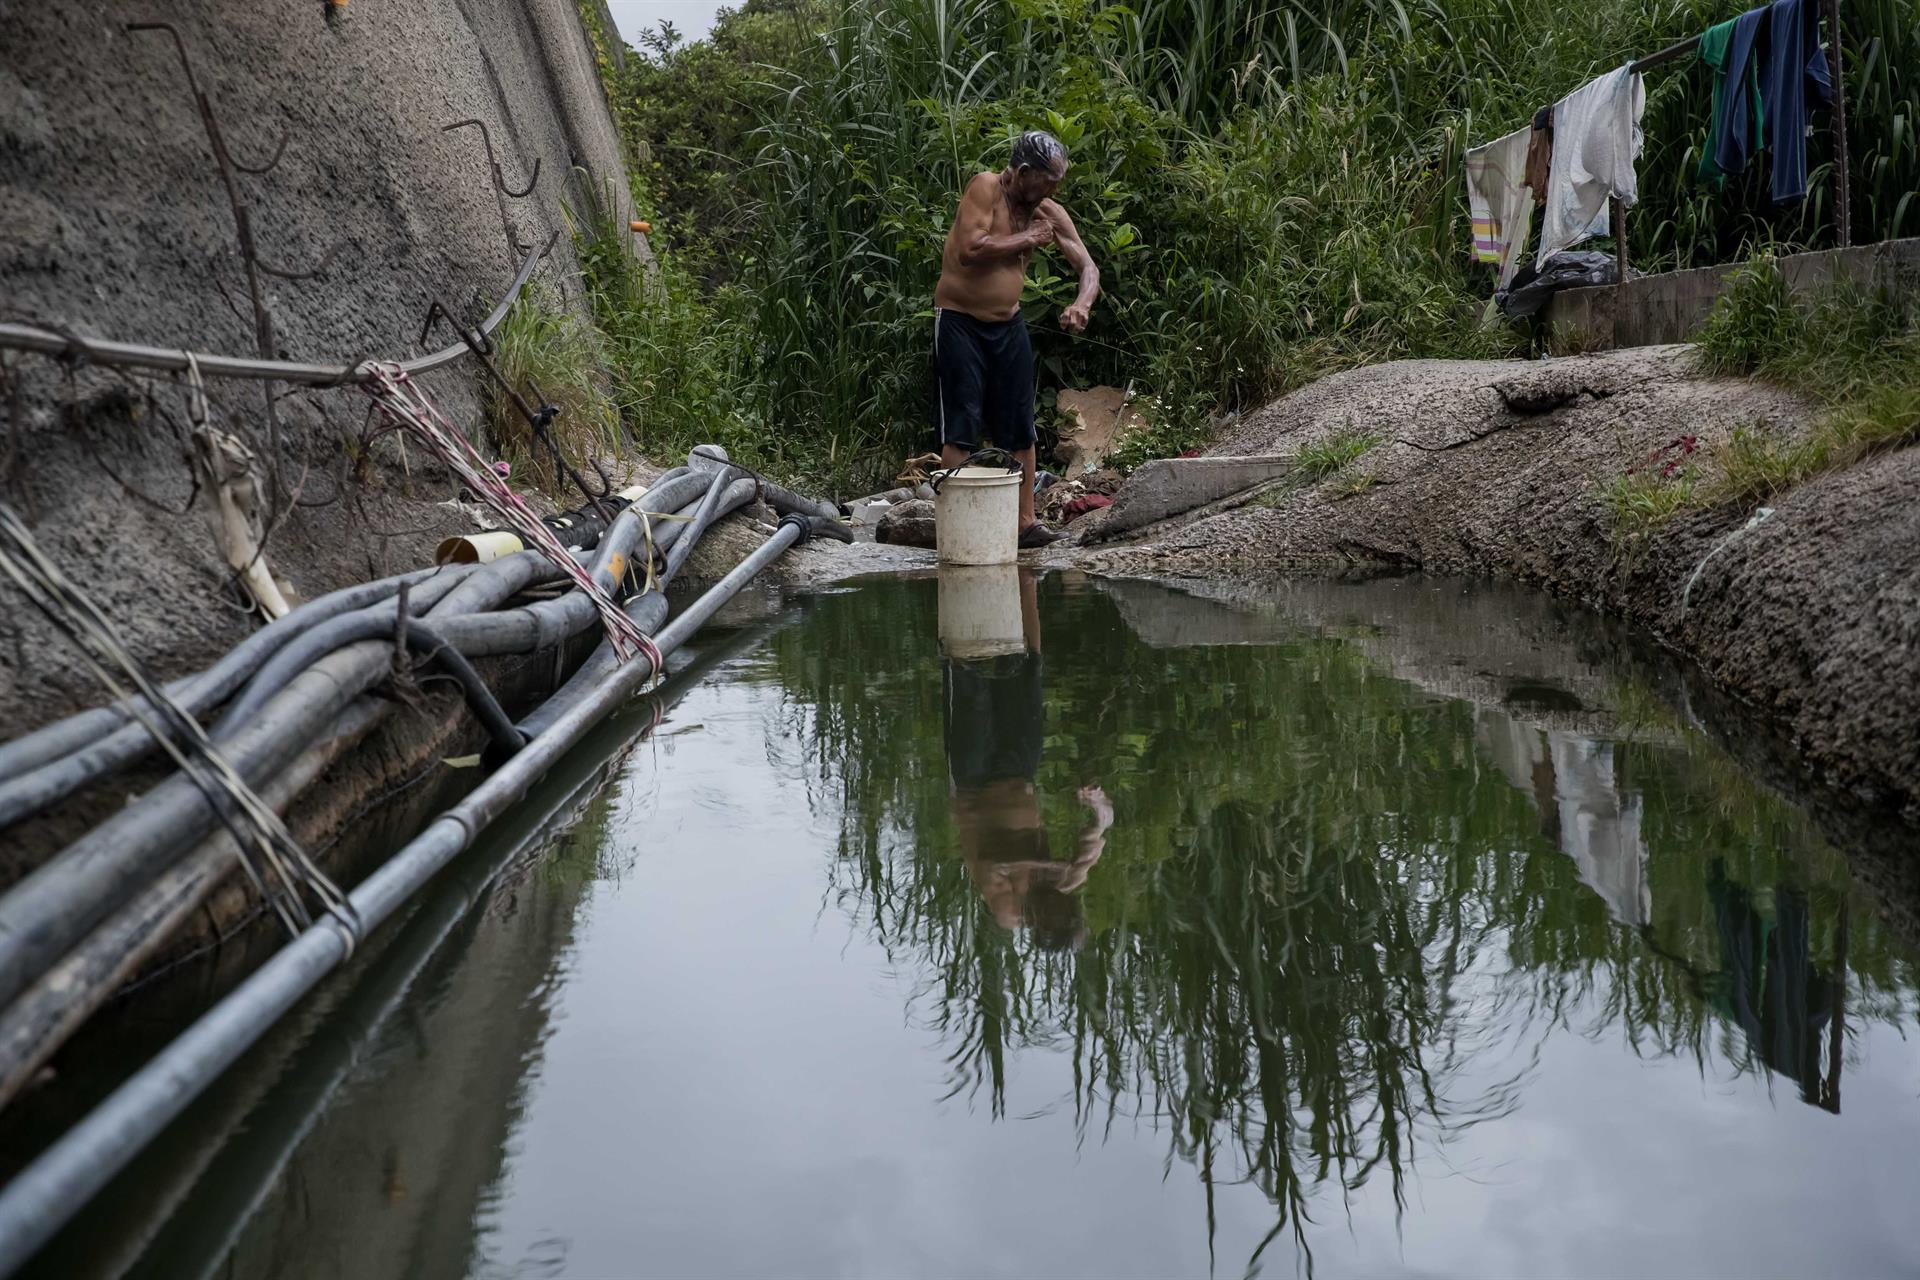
(1074, 250)
(978, 246)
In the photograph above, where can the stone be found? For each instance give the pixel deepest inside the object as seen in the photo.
(1094, 423)
(1172, 486)
(907, 524)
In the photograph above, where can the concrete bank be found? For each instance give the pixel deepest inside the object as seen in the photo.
(1810, 617)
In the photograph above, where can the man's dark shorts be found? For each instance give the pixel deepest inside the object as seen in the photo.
(995, 719)
(983, 380)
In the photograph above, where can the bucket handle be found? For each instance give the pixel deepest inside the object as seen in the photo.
(992, 456)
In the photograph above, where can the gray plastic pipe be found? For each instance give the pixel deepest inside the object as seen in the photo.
(33, 1027)
(52, 907)
(57, 1185)
(647, 611)
(198, 1233)
(28, 794)
(209, 688)
(35, 1024)
(56, 904)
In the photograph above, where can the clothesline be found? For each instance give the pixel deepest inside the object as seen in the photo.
(1617, 207)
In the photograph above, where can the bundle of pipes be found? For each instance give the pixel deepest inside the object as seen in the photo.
(290, 699)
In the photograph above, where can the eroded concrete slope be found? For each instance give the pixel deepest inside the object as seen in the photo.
(1812, 616)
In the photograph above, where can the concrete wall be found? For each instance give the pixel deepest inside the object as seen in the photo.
(116, 225)
(1655, 310)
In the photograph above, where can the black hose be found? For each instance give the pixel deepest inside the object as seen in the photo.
(812, 527)
(30, 793)
(706, 457)
(198, 693)
(510, 573)
(486, 708)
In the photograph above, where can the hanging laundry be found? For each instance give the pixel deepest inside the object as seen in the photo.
(1501, 201)
(1792, 62)
(1540, 154)
(1738, 121)
(1596, 139)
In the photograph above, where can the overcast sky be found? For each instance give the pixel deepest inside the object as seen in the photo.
(692, 18)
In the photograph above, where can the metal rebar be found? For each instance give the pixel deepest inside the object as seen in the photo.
(1619, 239)
(1842, 163)
(51, 342)
(1668, 54)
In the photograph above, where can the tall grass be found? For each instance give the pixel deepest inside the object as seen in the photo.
(555, 357)
(1852, 349)
(1273, 191)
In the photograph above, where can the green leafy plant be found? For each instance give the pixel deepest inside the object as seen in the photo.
(1272, 196)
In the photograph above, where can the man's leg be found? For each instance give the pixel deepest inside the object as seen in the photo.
(1026, 458)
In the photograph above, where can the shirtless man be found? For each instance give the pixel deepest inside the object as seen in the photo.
(983, 363)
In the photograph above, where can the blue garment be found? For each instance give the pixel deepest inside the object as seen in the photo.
(1738, 136)
(1793, 60)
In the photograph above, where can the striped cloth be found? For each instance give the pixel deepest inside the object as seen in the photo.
(1501, 201)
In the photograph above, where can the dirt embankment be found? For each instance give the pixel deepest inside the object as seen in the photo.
(1811, 616)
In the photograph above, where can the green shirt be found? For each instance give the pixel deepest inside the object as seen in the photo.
(1714, 46)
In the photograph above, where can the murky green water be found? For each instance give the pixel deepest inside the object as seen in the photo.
(1404, 927)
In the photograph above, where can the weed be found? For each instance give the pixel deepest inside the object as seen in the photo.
(1639, 502)
(1358, 485)
(1756, 463)
(1569, 340)
(1854, 350)
(559, 360)
(1324, 457)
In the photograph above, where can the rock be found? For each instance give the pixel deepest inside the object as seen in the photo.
(1171, 486)
(907, 524)
(1095, 423)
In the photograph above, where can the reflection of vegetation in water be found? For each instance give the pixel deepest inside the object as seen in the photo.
(1318, 904)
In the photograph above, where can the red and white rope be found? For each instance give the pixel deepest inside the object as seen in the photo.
(411, 410)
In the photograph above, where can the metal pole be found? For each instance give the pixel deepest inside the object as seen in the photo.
(1667, 54)
(26, 337)
(1842, 181)
(1619, 240)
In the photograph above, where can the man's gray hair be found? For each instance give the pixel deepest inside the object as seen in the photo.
(1036, 149)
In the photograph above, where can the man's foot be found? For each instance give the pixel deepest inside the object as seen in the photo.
(1038, 535)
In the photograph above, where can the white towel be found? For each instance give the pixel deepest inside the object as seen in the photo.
(1501, 201)
(1596, 139)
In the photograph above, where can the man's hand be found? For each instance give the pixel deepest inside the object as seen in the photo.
(1096, 799)
(1074, 318)
(1041, 233)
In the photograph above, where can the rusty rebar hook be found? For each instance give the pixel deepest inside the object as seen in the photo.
(500, 188)
(226, 165)
(499, 177)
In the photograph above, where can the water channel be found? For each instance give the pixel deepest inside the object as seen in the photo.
(1088, 927)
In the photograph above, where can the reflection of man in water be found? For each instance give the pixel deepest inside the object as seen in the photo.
(1769, 987)
(995, 723)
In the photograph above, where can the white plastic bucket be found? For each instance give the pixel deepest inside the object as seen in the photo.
(977, 516)
(980, 611)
